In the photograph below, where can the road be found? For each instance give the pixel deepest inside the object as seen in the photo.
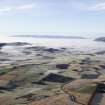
(99, 99)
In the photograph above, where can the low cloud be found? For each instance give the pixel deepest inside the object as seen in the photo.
(89, 6)
(98, 7)
(5, 9)
(25, 7)
(17, 8)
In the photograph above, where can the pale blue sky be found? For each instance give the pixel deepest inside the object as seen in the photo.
(52, 16)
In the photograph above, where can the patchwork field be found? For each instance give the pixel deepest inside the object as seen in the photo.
(34, 75)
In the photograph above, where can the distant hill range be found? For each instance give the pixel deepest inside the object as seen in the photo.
(50, 36)
(101, 39)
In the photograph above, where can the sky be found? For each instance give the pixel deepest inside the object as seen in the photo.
(52, 17)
